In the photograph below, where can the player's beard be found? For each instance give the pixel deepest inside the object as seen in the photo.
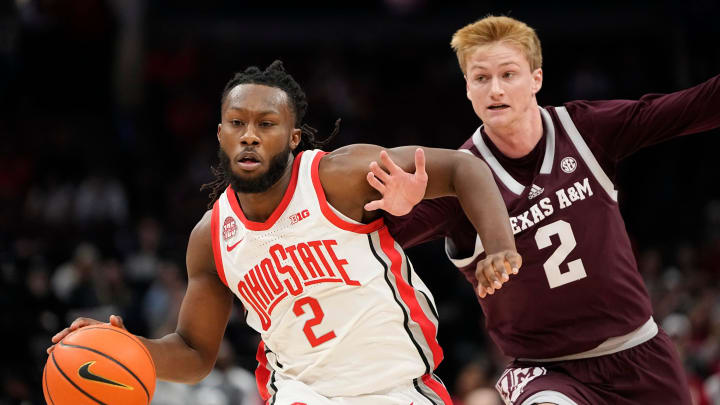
(275, 171)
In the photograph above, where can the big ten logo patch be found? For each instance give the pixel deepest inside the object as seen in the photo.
(513, 382)
(229, 228)
(295, 218)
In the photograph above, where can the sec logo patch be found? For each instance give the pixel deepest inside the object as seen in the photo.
(568, 164)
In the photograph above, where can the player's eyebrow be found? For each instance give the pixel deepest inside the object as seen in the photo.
(483, 66)
(263, 112)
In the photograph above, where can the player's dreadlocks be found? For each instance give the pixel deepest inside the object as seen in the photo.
(273, 76)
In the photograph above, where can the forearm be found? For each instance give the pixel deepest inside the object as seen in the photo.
(482, 202)
(176, 361)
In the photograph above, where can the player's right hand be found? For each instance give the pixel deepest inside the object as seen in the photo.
(400, 190)
(82, 322)
(495, 269)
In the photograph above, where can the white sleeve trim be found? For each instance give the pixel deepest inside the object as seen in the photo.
(585, 152)
(491, 161)
(547, 164)
(462, 262)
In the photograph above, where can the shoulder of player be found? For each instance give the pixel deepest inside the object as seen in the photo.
(202, 229)
(598, 112)
(199, 250)
(349, 158)
(347, 166)
(342, 174)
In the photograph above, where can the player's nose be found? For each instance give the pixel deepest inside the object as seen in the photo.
(249, 137)
(496, 88)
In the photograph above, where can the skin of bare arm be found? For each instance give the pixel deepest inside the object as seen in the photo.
(343, 174)
(188, 354)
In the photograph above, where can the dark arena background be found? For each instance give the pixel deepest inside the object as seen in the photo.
(108, 115)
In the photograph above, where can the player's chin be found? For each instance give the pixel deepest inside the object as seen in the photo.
(495, 120)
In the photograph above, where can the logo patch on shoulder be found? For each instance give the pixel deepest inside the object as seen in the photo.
(568, 164)
(229, 228)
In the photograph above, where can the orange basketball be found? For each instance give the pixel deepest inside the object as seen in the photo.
(99, 364)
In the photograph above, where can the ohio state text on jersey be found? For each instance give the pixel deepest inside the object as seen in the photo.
(336, 302)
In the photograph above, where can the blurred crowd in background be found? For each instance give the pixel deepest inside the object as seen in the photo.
(108, 115)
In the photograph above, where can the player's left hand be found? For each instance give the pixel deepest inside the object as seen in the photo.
(400, 190)
(493, 271)
(78, 323)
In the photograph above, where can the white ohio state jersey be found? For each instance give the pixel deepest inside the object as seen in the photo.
(337, 303)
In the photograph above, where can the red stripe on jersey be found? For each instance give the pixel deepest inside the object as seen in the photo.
(262, 372)
(215, 236)
(264, 226)
(407, 294)
(329, 213)
(437, 388)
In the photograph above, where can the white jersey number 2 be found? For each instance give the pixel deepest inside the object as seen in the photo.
(576, 270)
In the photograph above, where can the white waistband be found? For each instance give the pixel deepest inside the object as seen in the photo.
(613, 345)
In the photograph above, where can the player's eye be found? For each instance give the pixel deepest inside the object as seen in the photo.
(508, 75)
(480, 78)
(266, 124)
(236, 123)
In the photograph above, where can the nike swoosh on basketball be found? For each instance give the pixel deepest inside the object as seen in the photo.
(84, 372)
(231, 247)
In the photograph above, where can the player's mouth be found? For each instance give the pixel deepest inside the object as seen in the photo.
(498, 107)
(248, 160)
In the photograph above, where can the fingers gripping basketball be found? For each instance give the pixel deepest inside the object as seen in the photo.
(99, 364)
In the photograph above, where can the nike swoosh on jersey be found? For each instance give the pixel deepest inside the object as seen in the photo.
(231, 247)
(84, 372)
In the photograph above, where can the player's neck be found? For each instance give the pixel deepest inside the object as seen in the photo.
(258, 207)
(519, 137)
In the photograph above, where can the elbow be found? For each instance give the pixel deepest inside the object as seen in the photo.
(201, 371)
(198, 376)
(470, 168)
(195, 375)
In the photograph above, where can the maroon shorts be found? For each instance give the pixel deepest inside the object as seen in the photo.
(650, 373)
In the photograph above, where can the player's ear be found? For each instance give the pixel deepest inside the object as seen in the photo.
(295, 138)
(467, 88)
(537, 77)
(218, 131)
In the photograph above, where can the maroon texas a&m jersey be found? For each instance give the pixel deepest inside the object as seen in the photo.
(579, 284)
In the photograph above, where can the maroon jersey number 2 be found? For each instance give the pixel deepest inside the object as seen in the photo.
(554, 276)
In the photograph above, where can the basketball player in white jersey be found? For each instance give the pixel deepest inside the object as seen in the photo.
(343, 317)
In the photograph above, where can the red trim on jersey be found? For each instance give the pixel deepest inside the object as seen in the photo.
(324, 280)
(438, 388)
(264, 226)
(262, 372)
(215, 236)
(407, 294)
(329, 213)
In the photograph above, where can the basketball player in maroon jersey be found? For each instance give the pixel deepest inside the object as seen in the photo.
(262, 139)
(577, 318)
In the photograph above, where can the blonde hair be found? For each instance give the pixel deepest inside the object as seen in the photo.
(495, 29)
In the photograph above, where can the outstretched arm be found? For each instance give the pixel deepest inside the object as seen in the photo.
(620, 128)
(188, 354)
(450, 173)
(401, 190)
